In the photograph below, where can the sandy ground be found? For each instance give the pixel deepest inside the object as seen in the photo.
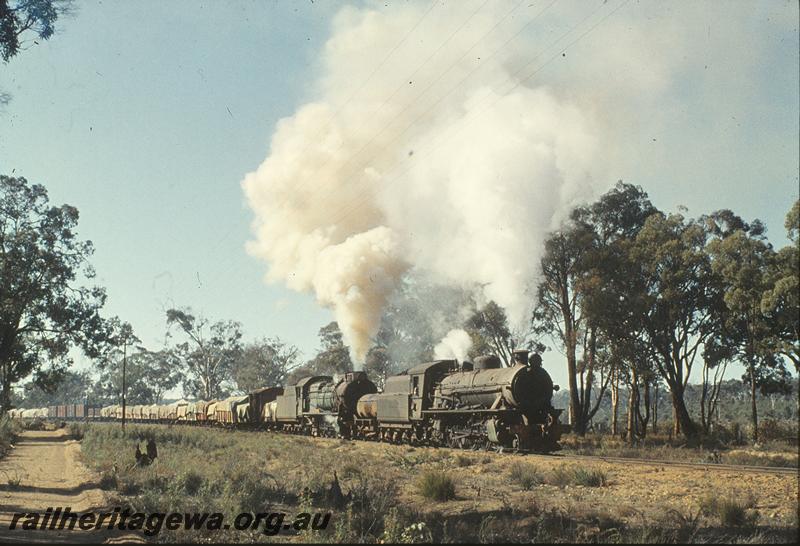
(45, 464)
(636, 492)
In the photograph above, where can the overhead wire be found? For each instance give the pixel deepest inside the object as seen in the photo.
(355, 205)
(447, 94)
(402, 85)
(352, 95)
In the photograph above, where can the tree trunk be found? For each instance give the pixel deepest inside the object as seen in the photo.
(588, 380)
(6, 401)
(633, 407)
(643, 421)
(655, 409)
(574, 401)
(705, 423)
(124, 362)
(753, 402)
(614, 401)
(683, 422)
(630, 414)
(676, 424)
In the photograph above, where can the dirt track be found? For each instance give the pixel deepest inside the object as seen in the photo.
(45, 464)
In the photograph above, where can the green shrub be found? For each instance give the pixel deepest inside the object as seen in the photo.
(589, 478)
(9, 430)
(525, 475)
(563, 475)
(77, 430)
(371, 512)
(191, 482)
(437, 485)
(731, 512)
(108, 481)
(774, 429)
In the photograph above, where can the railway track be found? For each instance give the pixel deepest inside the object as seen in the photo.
(779, 470)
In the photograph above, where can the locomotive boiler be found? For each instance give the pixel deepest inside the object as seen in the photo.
(504, 406)
(321, 405)
(472, 405)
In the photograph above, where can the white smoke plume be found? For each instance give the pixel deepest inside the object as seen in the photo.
(456, 344)
(428, 148)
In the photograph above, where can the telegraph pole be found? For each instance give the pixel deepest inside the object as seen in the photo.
(124, 362)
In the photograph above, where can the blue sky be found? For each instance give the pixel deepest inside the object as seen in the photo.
(147, 115)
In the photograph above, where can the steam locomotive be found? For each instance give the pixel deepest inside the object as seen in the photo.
(471, 405)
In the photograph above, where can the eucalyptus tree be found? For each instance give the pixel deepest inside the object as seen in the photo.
(45, 307)
(208, 353)
(741, 256)
(584, 269)
(781, 300)
(679, 304)
(264, 362)
(37, 17)
(23, 22)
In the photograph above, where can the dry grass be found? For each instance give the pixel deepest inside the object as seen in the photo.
(500, 497)
(776, 448)
(437, 485)
(730, 511)
(525, 475)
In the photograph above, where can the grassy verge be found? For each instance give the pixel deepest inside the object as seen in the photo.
(779, 453)
(377, 492)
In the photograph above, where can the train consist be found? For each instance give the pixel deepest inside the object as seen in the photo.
(469, 405)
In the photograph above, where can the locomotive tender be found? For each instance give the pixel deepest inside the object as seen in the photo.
(480, 405)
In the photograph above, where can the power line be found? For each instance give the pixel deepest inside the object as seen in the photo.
(399, 87)
(363, 199)
(449, 92)
(385, 58)
(350, 98)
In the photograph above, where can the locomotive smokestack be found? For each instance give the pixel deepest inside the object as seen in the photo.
(519, 358)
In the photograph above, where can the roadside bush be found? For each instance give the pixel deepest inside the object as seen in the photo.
(730, 512)
(191, 482)
(108, 481)
(589, 478)
(774, 429)
(525, 475)
(9, 430)
(758, 459)
(437, 485)
(252, 491)
(77, 430)
(371, 511)
(562, 476)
